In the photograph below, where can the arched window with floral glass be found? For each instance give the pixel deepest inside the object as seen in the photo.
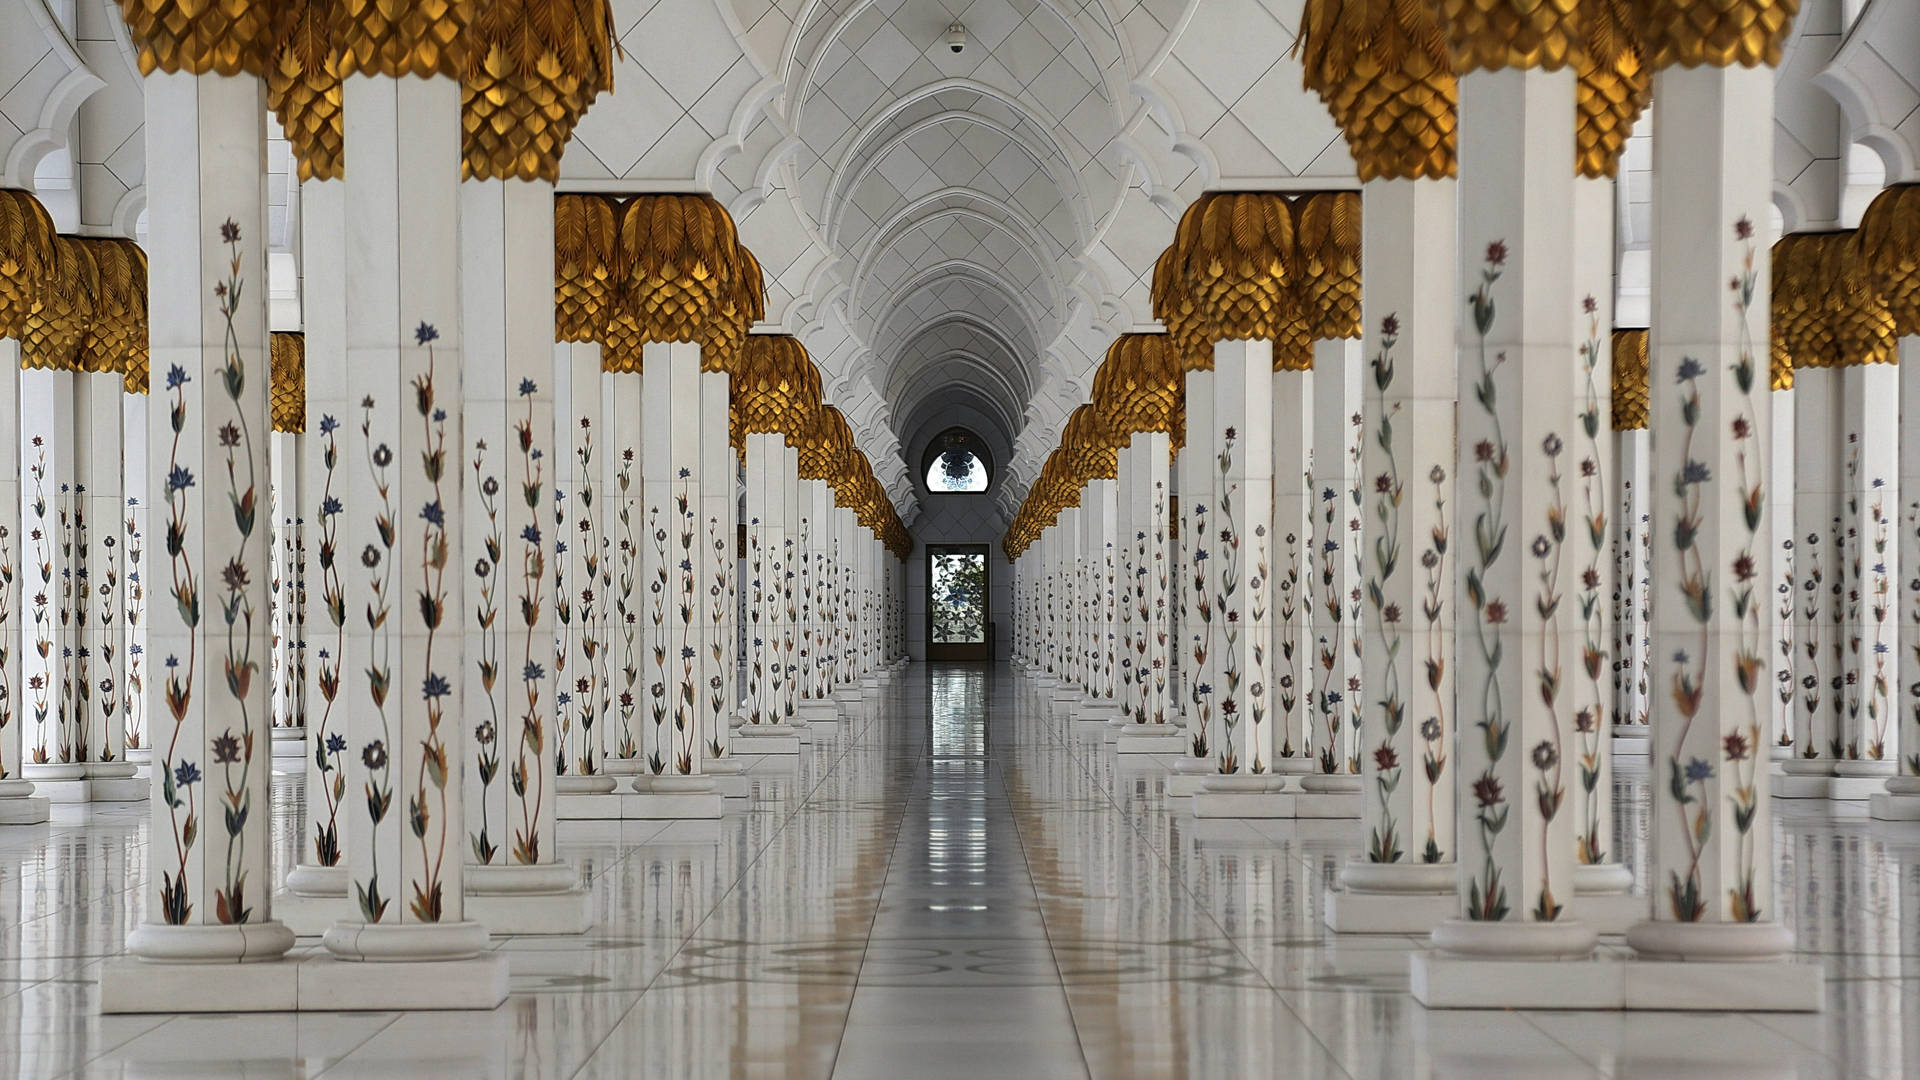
(957, 462)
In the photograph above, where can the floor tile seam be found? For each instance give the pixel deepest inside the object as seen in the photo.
(866, 943)
(1201, 910)
(1079, 1041)
(719, 901)
(104, 1051)
(357, 1047)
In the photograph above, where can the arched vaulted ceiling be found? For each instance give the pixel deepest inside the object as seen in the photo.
(946, 231)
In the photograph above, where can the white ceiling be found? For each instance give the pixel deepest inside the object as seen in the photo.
(952, 232)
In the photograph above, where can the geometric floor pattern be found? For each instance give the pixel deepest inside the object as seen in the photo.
(954, 885)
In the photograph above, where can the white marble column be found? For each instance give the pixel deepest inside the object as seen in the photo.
(784, 594)
(1405, 882)
(516, 880)
(1902, 798)
(1293, 663)
(18, 804)
(1818, 573)
(100, 579)
(718, 693)
(1869, 501)
(629, 630)
(766, 564)
(1241, 525)
(585, 433)
(1632, 548)
(333, 457)
(1146, 482)
(49, 444)
(1337, 710)
(1128, 631)
(211, 869)
(134, 423)
(1516, 635)
(1599, 878)
(1780, 571)
(1196, 466)
(1712, 851)
(675, 743)
(1101, 508)
(407, 725)
(816, 647)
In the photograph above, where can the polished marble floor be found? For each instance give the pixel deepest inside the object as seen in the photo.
(955, 885)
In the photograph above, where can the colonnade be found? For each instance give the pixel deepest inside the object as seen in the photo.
(1527, 541)
(471, 541)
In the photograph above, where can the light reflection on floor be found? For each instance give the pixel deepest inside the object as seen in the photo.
(955, 884)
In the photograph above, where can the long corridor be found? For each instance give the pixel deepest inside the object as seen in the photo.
(953, 884)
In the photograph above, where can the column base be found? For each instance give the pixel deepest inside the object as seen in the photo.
(1392, 898)
(722, 766)
(404, 942)
(311, 984)
(1602, 900)
(765, 739)
(1243, 796)
(202, 944)
(1442, 982)
(1189, 774)
(1331, 783)
(1149, 739)
(818, 712)
(312, 916)
(870, 683)
(95, 788)
(1803, 778)
(1630, 740)
(289, 743)
(546, 898)
(307, 879)
(19, 805)
(1860, 780)
(847, 695)
(597, 784)
(1900, 802)
(329, 984)
(658, 798)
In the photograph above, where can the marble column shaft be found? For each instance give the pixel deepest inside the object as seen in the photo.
(1712, 817)
(407, 702)
(1408, 460)
(1196, 465)
(508, 409)
(1152, 574)
(671, 464)
(1337, 712)
(1242, 524)
(333, 458)
(206, 189)
(1515, 650)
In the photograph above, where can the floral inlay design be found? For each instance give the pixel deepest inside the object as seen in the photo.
(1486, 889)
(1741, 722)
(328, 742)
(427, 817)
(1589, 724)
(626, 611)
(527, 779)
(1389, 490)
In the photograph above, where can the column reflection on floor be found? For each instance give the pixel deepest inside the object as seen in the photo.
(958, 883)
